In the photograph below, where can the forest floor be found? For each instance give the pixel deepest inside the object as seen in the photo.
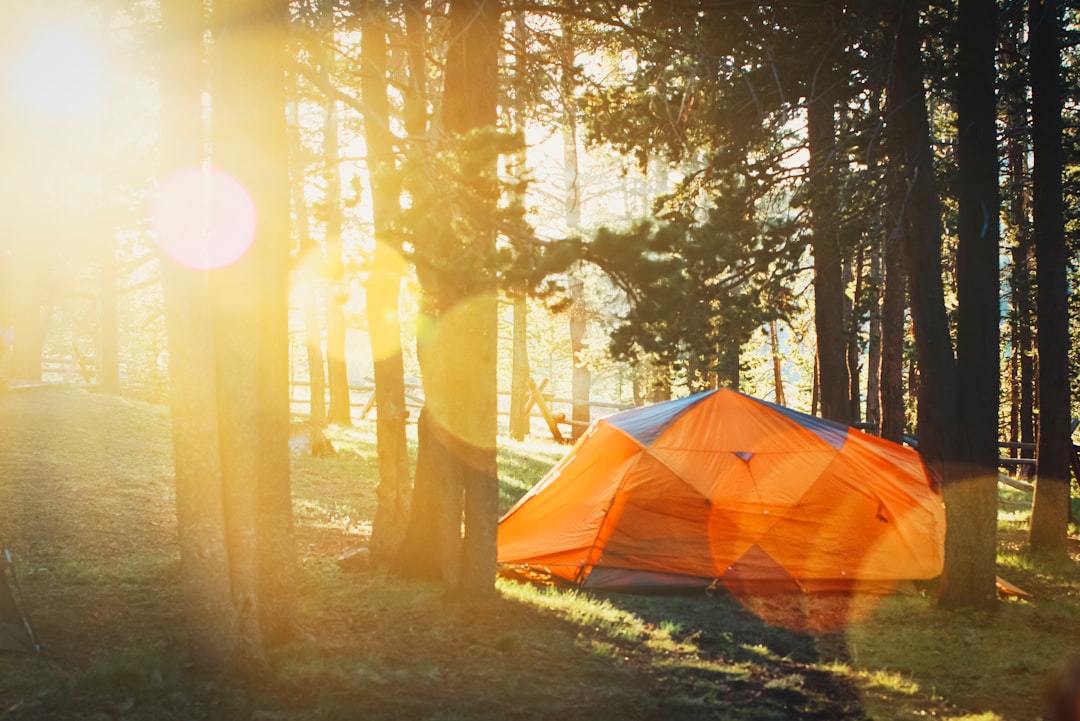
(87, 508)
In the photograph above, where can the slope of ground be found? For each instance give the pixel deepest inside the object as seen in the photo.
(86, 504)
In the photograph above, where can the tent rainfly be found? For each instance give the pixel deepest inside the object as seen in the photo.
(15, 631)
(720, 488)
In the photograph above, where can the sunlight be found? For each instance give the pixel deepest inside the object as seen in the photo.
(465, 322)
(385, 330)
(306, 279)
(204, 219)
(59, 74)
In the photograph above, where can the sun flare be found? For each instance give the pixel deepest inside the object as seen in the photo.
(58, 74)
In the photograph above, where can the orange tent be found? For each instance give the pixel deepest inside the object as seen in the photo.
(722, 488)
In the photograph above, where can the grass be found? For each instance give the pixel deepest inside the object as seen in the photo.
(86, 504)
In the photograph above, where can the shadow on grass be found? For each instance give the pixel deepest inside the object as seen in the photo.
(732, 664)
(386, 649)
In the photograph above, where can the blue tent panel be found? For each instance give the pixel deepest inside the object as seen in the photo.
(647, 423)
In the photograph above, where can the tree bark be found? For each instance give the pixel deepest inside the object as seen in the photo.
(470, 101)
(581, 378)
(520, 425)
(383, 291)
(873, 346)
(971, 495)
(460, 377)
(968, 577)
(251, 318)
(853, 271)
(336, 365)
(519, 382)
(311, 262)
(431, 547)
(212, 620)
(1022, 373)
(1050, 512)
(416, 96)
(908, 136)
(828, 278)
(1023, 254)
(894, 294)
(778, 376)
(728, 364)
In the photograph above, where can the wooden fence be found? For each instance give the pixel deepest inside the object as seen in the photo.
(540, 405)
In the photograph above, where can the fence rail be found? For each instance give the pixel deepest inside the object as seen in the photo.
(362, 397)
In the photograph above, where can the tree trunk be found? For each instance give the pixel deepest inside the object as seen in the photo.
(519, 382)
(469, 103)
(972, 492)
(1029, 376)
(828, 278)
(212, 619)
(853, 271)
(581, 378)
(311, 262)
(431, 547)
(416, 100)
(659, 384)
(251, 319)
(968, 576)
(909, 149)
(778, 377)
(728, 364)
(873, 346)
(460, 378)
(893, 414)
(1021, 372)
(316, 363)
(1025, 318)
(519, 423)
(108, 355)
(383, 291)
(336, 366)
(1050, 512)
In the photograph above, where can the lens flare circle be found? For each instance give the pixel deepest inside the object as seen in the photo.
(456, 340)
(204, 218)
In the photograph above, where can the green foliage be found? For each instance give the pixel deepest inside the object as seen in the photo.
(715, 93)
(454, 201)
(702, 78)
(701, 280)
